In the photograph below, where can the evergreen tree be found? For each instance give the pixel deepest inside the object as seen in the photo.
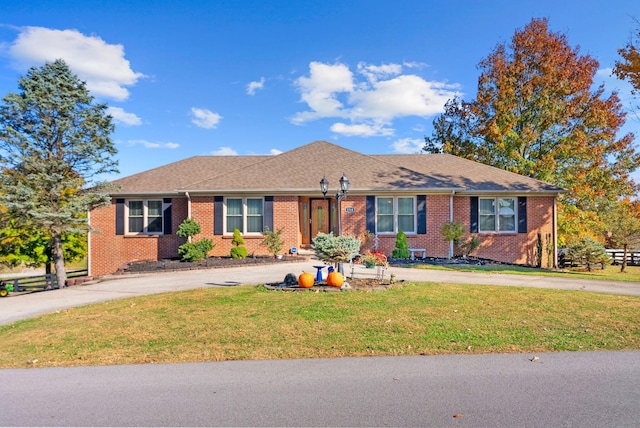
(589, 252)
(401, 251)
(238, 251)
(54, 142)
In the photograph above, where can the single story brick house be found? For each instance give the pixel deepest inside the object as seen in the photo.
(414, 193)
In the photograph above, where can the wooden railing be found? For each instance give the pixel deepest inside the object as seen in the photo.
(40, 282)
(633, 257)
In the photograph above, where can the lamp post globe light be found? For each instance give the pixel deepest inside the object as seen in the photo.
(340, 195)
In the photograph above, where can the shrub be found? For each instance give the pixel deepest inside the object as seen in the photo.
(588, 252)
(452, 231)
(188, 228)
(401, 251)
(273, 240)
(469, 246)
(238, 251)
(335, 249)
(193, 251)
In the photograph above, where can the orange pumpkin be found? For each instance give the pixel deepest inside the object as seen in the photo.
(306, 280)
(335, 279)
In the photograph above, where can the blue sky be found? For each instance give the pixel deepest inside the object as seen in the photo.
(187, 78)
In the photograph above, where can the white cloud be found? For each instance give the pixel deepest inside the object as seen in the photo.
(376, 72)
(275, 152)
(406, 95)
(205, 118)
(252, 87)
(319, 90)
(371, 104)
(408, 145)
(224, 151)
(362, 130)
(150, 145)
(121, 116)
(101, 65)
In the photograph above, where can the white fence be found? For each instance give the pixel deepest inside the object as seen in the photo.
(633, 257)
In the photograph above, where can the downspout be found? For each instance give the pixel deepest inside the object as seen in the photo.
(188, 209)
(451, 220)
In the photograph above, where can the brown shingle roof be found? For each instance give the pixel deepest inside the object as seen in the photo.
(169, 178)
(470, 175)
(300, 170)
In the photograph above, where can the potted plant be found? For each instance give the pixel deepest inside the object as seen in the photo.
(273, 241)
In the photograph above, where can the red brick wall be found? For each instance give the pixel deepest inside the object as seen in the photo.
(509, 248)
(513, 247)
(437, 212)
(109, 251)
(285, 216)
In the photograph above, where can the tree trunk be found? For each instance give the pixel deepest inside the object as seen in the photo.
(47, 265)
(624, 259)
(58, 259)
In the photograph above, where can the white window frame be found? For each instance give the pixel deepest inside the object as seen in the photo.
(395, 215)
(496, 214)
(145, 217)
(245, 214)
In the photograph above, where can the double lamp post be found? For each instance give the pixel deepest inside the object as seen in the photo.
(340, 195)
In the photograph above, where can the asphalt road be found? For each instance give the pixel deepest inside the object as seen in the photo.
(585, 389)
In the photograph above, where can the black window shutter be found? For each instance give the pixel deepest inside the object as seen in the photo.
(522, 214)
(166, 216)
(217, 215)
(422, 214)
(371, 213)
(119, 216)
(267, 219)
(473, 218)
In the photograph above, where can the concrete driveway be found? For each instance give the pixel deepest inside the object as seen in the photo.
(16, 307)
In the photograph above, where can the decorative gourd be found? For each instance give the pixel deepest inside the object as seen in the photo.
(335, 279)
(306, 280)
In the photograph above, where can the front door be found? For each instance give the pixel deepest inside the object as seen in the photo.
(314, 218)
(319, 216)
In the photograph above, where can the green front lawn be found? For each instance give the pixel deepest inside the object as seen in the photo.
(249, 322)
(612, 273)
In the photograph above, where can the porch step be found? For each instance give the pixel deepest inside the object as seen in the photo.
(306, 252)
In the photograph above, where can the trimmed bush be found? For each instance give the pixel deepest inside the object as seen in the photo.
(239, 251)
(335, 249)
(402, 247)
(193, 251)
(588, 252)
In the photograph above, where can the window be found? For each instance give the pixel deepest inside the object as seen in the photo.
(245, 214)
(395, 213)
(144, 217)
(497, 214)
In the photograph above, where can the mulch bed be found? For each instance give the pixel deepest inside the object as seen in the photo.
(361, 284)
(171, 265)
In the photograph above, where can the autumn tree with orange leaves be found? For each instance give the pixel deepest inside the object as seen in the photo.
(536, 113)
(629, 67)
